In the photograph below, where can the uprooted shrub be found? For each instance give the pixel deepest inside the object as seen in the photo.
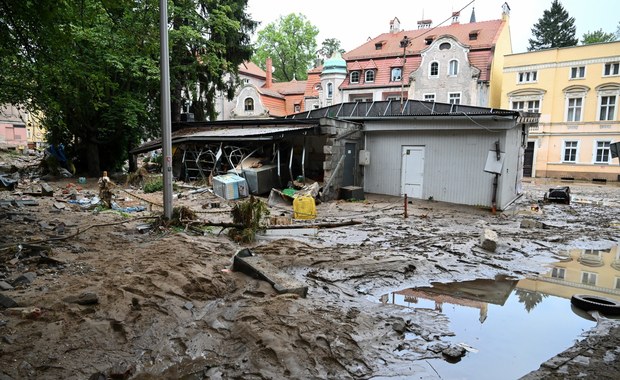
(250, 214)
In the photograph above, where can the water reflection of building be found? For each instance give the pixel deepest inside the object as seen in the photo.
(581, 271)
(475, 294)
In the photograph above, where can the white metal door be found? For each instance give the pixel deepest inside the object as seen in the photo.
(412, 171)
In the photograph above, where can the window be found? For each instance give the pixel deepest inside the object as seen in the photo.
(602, 153)
(612, 68)
(396, 74)
(588, 278)
(434, 69)
(370, 76)
(297, 108)
(248, 104)
(526, 105)
(527, 77)
(454, 98)
(445, 46)
(578, 72)
(573, 109)
(558, 273)
(355, 77)
(429, 97)
(617, 282)
(245, 81)
(454, 68)
(608, 108)
(570, 151)
(330, 90)
(361, 98)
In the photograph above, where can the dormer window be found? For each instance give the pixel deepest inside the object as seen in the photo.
(396, 74)
(370, 76)
(379, 46)
(248, 104)
(473, 35)
(354, 77)
(428, 40)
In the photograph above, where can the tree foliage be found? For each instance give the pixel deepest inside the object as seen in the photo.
(291, 44)
(330, 46)
(92, 67)
(596, 37)
(554, 29)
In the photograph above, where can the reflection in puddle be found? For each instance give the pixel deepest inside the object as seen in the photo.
(509, 329)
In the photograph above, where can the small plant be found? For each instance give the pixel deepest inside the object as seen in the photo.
(250, 214)
(153, 184)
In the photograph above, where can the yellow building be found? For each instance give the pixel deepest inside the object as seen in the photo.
(576, 90)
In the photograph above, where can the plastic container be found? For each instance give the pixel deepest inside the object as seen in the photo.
(304, 207)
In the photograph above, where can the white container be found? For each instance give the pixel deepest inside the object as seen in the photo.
(230, 186)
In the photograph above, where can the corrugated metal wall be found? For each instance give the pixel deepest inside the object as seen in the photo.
(454, 162)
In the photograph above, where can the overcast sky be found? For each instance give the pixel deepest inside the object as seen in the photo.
(353, 21)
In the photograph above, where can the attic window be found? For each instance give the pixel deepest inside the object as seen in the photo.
(473, 35)
(379, 45)
(428, 40)
(445, 46)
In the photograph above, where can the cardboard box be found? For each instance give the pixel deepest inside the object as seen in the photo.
(230, 186)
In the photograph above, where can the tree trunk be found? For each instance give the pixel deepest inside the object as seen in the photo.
(92, 158)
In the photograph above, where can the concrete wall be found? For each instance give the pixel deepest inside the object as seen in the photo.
(337, 134)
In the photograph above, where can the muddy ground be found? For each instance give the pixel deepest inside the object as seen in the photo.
(97, 296)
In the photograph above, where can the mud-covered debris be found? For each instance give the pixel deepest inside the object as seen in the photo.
(86, 298)
(453, 353)
(488, 240)
(5, 286)
(399, 326)
(529, 223)
(7, 302)
(24, 279)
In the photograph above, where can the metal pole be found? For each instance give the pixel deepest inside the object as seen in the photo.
(166, 122)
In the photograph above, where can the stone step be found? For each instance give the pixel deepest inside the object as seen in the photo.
(259, 267)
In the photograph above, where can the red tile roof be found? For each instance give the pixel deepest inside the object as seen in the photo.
(289, 88)
(251, 69)
(390, 55)
(487, 37)
(314, 77)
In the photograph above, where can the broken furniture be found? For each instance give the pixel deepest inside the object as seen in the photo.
(558, 195)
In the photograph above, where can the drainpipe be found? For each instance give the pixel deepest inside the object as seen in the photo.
(494, 201)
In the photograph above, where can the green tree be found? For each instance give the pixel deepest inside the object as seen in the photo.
(209, 39)
(554, 29)
(330, 46)
(92, 67)
(290, 43)
(596, 37)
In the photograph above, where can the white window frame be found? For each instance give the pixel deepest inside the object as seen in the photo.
(578, 71)
(351, 76)
(614, 106)
(453, 71)
(588, 276)
(429, 95)
(396, 78)
(595, 150)
(450, 97)
(558, 272)
(330, 90)
(430, 70)
(564, 147)
(526, 106)
(249, 101)
(611, 69)
(527, 76)
(371, 73)
(575, 97)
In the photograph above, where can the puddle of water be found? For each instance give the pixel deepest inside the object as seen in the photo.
(510, 330)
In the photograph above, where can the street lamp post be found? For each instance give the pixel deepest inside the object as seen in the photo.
(166, 121)
(404, 43)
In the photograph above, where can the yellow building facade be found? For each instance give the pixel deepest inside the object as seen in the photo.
(577, 91)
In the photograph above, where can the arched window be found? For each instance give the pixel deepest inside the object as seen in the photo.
(248, 104)
(370, 76)
(330, 90)
(355, 77)
(434, 72)
(453, 70)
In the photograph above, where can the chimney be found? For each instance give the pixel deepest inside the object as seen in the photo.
(269, 71)
(425, 24)
(455, 17)
(395, 25)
